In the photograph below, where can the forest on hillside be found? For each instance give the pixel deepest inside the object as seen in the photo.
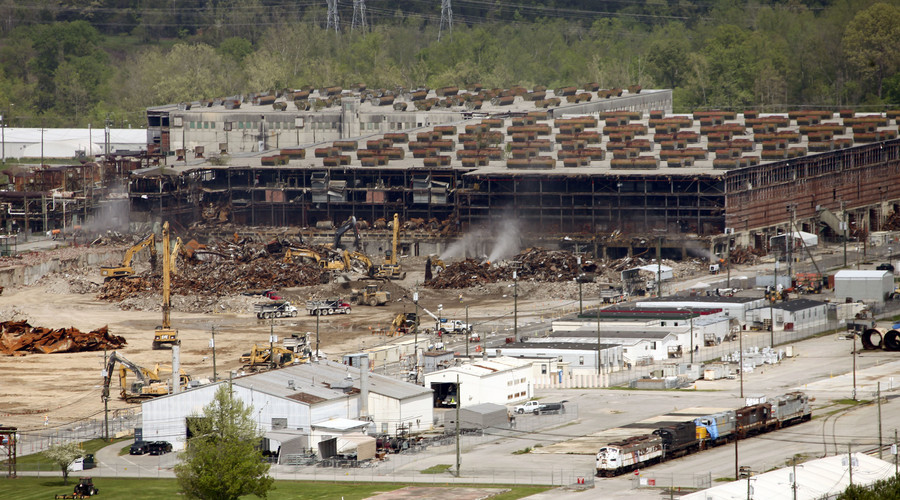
(78, 62)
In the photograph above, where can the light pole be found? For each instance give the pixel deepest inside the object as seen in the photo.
(741, 366)
(416, 340)
(691, 312)
(515, 305)
(579, 280)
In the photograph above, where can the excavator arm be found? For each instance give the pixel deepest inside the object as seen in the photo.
(176, 249)
(123, 379)
(125, 269)
(346, 226)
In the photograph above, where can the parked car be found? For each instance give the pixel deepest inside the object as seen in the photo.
(885, 267)
(160, 447)
(139, 448)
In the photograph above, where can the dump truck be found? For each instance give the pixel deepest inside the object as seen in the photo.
(274, 309)
(328, 306)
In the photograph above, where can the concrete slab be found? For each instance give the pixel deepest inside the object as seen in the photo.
(426, 493)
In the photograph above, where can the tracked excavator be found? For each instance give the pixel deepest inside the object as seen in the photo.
(339, 233)
(149, 384)
(124, 270)
(260, 359)
(391, 267)
(164, 337)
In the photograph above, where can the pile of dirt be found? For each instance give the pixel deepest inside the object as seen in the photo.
(535, 264)
(18, 338)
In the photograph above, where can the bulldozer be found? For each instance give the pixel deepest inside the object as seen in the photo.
(149, 384)
(371, 296)
(391, 268)
(124, 270)
(260, 359)
(164, 337)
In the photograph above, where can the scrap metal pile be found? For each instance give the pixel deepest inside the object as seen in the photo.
(535, 264)
(18, 338)
(226, 268)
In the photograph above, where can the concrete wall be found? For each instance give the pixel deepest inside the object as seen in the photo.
(23, 275)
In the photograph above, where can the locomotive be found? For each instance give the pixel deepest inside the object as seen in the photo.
(676, 440)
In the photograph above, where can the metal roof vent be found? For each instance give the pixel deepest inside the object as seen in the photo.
(291, 384)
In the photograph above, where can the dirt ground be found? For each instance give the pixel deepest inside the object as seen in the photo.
(66, 387)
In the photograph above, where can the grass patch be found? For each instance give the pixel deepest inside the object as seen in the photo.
(524, 451)
(38, 462)
(437, 469)
(852, 402)
(42, 488)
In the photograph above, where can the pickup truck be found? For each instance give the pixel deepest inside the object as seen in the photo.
(274, 309)
(330, 306)
(538, 408)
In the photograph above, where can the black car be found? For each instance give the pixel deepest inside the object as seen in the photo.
(160, 447)
(139, 448)
(885, 267)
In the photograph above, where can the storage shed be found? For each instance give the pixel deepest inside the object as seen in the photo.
(481, 416)
(866, 286)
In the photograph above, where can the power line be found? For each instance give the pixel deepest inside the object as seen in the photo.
(359, 15)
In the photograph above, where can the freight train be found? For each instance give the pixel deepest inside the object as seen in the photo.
(676, 440)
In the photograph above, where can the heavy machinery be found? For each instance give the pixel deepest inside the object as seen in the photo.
(149, 383)
(164, 337)
(391, 267)
(327, 306)
(304, 253)
(259, 358)
(339, 233)
(176, 249)
(371, 295)
(404, 323)
(274, 309)
(125, 269)
(85, 488)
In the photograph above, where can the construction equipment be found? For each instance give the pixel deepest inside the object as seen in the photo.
(176, 249)
(717, 267)
(274, 309)
(164, 337)
(85, 488)
(149, 383)
(328, 306)
(808, 283)
(404, 323)
(125, 269)
(346, 226)
(391, 267)
(303, 253)
(371, 295)
(259, 358)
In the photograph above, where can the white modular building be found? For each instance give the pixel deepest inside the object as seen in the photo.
(291, 401)
(733, 307)
(502, 380)
(792, 315)
(638, 346)
(577, 355)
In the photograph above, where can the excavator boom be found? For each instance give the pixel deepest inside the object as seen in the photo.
(165, 336)
(125, 269)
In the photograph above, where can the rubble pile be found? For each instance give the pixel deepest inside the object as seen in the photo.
(217, 279)
(18, 337)
(536, 264)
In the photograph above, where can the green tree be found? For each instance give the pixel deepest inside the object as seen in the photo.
(221, 460)
(872, 42)
(63, 455)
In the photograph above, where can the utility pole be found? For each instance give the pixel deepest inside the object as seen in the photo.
(599, 372)
(691, 312)
(737, 468)
(791, 208)
(272, 344)
(850, 462)
(854, 366)
(659, 267)
(741, 367)
(106, 404)
(579, 280)
(416, 340)
(728, 262)
(844, 217)
(894, 451)
(458, 404)
(212, 344)
(794, 478)
(468, 330)
(878, 394)
(775, 293)
(317, 335)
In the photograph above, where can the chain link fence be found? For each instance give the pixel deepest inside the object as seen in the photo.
(35, 441)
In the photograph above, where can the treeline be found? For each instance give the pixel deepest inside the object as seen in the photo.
(76, 63)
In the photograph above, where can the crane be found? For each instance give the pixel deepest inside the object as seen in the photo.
(165, 336)
(125, 269)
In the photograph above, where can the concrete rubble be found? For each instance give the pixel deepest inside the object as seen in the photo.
(18, 338)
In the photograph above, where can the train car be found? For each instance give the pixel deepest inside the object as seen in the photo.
(715, 429)
(679, 439)
(626, 455)
(791, 408)
(753, 419)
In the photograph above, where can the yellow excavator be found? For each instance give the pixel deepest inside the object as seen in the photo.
(176, 249)
(124, 270)
(391, 267)
(345, 263)
(149, 383)
(164, 337)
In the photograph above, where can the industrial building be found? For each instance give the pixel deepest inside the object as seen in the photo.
(578, 356)
(575, 161)
(865, 286)
(303, 401)
(501, 380)
(797, 314)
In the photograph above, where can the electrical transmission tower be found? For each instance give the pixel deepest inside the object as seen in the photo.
(446, 18)
(359, 15)
(332, 18)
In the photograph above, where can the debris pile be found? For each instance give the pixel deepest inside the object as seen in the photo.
(217, 279)
(536, 264)
(18, 337)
